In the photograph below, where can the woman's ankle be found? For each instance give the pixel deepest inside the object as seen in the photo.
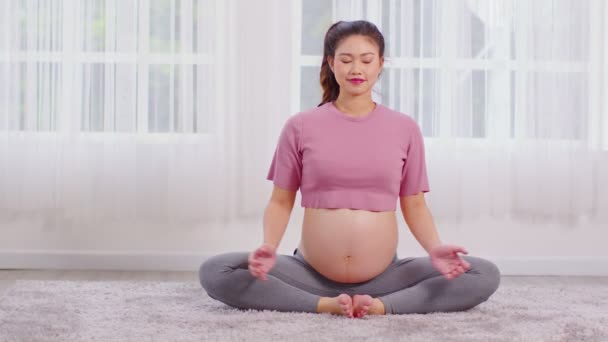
(326, 304)
(321, 306)
(377, 307)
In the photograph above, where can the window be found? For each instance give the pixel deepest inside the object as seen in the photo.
(109, 66)
(473, 69)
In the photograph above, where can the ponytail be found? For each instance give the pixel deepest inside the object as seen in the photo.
(331, 88)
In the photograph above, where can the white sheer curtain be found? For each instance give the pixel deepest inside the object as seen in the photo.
(135, 118)
(146, 116)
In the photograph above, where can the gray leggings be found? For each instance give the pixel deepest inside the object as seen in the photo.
(409, 285)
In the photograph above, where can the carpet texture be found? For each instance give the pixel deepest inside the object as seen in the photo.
(37, 310)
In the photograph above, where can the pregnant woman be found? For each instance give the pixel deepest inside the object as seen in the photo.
(352, 159)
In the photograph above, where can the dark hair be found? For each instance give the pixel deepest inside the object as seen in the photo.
(335, 34)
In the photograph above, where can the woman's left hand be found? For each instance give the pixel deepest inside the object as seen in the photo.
(446, 260)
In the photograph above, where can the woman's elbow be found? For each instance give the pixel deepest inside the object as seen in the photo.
(413, 202)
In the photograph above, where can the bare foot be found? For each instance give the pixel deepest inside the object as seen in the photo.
(346, 305)
(361, 305)
(340, 305)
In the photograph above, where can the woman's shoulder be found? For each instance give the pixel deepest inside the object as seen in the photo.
(311, 111)
(308, 114)
(400, 117)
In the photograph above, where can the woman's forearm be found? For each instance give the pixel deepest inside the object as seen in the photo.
(420, 222)
(276, 217)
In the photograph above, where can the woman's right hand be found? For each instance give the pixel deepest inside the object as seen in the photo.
(262, 260)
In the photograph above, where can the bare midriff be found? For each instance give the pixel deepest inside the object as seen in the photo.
(349, 246)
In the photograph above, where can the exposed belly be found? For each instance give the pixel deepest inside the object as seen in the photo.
(349, 246)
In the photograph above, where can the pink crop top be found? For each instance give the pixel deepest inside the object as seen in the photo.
(340, 161)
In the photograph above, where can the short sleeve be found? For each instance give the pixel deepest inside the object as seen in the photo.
(413, 175)
(286, 166)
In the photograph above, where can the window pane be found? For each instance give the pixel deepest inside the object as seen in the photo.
(125, 97)
(411, 27)
(430, 98)
(181, 99)
(316, 19)
(553, 30)
(177, 25)
(161, 97)
(33, 25)
(108, 31)
(311, 93)
(108, 97)
(93, 96)
(11, 103)
(558, 30)
(93, 13)
(204, 97)
(33, 99)
(479, 86)
(125, 26)
(477, 36)
(203, 25)
(484, 29)
(556, 106)
(469, 103)
(164, 25)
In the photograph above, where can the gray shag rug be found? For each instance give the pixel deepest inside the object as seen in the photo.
(37, 310)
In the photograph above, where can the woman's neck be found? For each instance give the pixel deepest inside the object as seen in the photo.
(356, 106)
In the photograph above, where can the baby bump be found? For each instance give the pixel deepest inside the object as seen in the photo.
(348, 246)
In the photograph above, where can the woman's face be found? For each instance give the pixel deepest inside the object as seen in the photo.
(356, 65)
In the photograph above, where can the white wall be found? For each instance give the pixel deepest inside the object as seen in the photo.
(521, 249)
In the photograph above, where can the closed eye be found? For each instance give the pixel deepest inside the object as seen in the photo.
(346, 62)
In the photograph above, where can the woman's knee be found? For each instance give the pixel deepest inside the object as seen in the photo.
(488, 278)
(214, 271)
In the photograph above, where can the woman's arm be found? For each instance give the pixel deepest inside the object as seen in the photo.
(418, 218)
(443, 257)
(276, 215)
